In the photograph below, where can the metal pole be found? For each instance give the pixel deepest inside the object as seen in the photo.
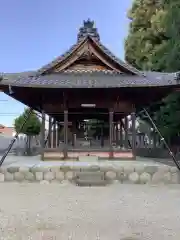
(162, 139)
(15, 137)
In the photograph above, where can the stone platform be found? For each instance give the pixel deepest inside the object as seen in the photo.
(140, 171)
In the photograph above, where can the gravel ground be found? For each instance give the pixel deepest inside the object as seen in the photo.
(49, 212)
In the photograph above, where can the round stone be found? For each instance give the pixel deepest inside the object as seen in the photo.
(69, 175)
(174, 170)
(9, 177)
(49, 176)
(133, 177)
(1, 177)
(157, 177)
(139, 169)
(128, 169)
(23, 169)
(44, 182)
(39, 176)
(121, 176)
(59, 176)
(145, 178)
(111, 175)
(18, 176)
(29, 176)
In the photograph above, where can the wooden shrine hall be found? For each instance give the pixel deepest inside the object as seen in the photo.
(91, 98)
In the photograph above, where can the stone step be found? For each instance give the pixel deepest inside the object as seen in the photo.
(90, 178)
(88, 158)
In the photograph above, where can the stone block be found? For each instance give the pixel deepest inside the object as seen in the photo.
(40, 169)
(108, 167)
(133, 177)
(1, 177)
(18, 176)
(39, 176)
(167, 178)
(59, 176)
(66, 169)
(128, 169)
(69, 175)
(3, 169)
(44, 182)
(145, 178)
(9, 177)
(110, 175)
(139, 169)
(23, 169)
(49, 176)
(55, 169)
(175, 178)
(163, 169)
(151, 169)
(13, 169)
(29, 176)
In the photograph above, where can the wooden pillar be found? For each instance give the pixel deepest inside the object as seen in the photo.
(50, 132)
(111, 113)
(121, 133)
(42, 135)
(59, 133)
(54, 134)
(133, 119)
(126, 132)
(65, 133)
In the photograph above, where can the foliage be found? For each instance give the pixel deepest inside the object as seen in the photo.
(32, 126)
(153, 43)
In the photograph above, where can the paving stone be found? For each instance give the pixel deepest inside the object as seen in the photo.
(1, 177)
(139, 169)
(9, 177)
(150, 169)
(39, 176)
(44, 182)
(13, 169)
(49, 176)
(29, 176)
(145, 178)
(59, 176)
(23, 169)
(18, 176)
(110, 175)
(133, 177)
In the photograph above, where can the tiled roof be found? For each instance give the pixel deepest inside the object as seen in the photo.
(94, 80)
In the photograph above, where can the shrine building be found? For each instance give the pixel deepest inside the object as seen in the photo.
(88, 95)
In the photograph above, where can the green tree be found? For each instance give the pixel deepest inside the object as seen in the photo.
(31, 128)
(153, 43)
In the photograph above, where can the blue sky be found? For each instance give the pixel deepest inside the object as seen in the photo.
(35, 32)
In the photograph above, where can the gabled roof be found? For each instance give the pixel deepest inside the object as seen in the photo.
(88, 38)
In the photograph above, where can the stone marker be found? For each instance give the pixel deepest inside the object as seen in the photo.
(110, 175)
(69, 175)
(59, 176)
